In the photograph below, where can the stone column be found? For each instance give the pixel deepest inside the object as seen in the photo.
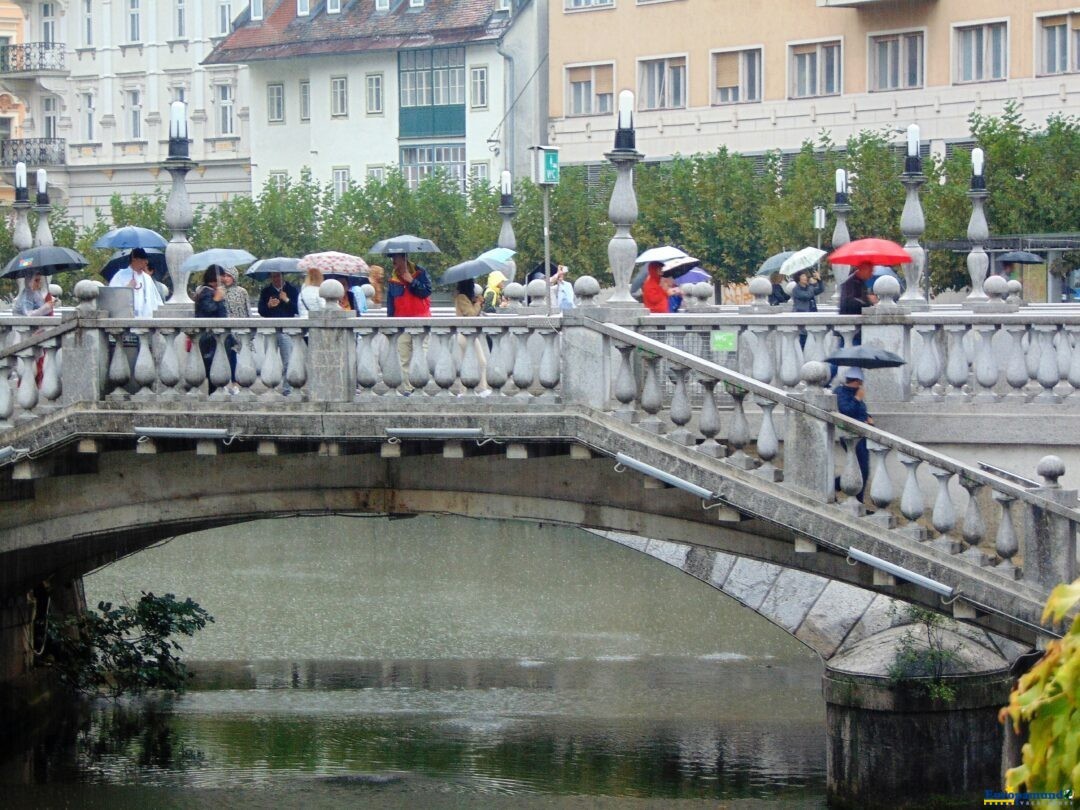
(887, 326)
(912, 226)
(178, 214)
(331, 355)
(809, 442)
(84, 371)
(978, 232)
(1050, 539)
(840, 235)
(623, 208)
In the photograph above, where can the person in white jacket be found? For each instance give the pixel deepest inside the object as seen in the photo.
(309, 294)
(137, 277)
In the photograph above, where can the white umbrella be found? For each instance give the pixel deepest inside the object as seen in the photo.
(801, 260)
(660, 254)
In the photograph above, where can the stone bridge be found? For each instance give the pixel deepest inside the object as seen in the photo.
(721, 460)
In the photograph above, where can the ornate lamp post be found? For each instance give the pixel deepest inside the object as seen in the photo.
(840, 235)
(178, 214)
(913, 223)
(43, 236)
(978, 231)
(623, 209)
(20, 236)
(507, 211)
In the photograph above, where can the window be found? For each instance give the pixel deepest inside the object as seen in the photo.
(275, 103)
(418, 162)
(339, 96)
(416, 3)
(305, 101)
(50, 108)
(572, 5)
(88, 22)
(256, 9)
(415, 78)
(226, 121)
(662, 83)
(478, 81)
(815, 70)
(382, 5)
(1059, 44)
(591, 89)
(502, 5)
(737, 76)
(432, 77)
(181, 19)
(896, 62)
(981, 53)
(333, 6)
(278, 179)
(5, 128)
(448, 72)
(342, 178)
(48, 23)
(374, 82)
(179, 93)
(376, 173)
(134, 19)
(224, 17)
(88, 115)
(480, 172)
(134, 100)
(303, 8)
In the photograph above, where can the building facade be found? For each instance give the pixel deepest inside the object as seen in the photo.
(352, 89)
(97, 77)
(757, 76)
(11, 107)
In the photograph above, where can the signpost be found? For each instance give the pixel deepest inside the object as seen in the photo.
(545, 171)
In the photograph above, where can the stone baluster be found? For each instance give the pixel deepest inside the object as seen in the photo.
(625, 388)
(789, 359)
(586, 290)
(169, 369)
(851, 480)
(549, 363)
(7, 400)
(912, 505)
(1047, 375)
(814, 351)
(470, 362)
(145, 367)
(119, 371)
(1034, 353)
(739, 432)
(194, 368)
(445, 374)
(956, 366)
(943, 518)
(973, 529)
(246, 373)
(270, 369)
(709, 420)
(1073, 372)
(27, 396)
(680, 411)
(986, 367)
(419, 374)
(498, 372)
(220, 371)
(882, 492)
(524, 369)
(762, 369)
(1064, 357)
(1050, 539)
(1015, 292)
(928, 365)
(391, 369)
(367, 364)
(50, 375)
(768, 444)
(1016, 368)
(1006, 544)
(296, 373)
(652, 395)
(912, 226)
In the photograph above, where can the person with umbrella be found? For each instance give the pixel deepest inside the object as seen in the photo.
(851, 401)
(136, 276)
(408, 295)
(280, 299)
(808, 286)
(653, 293)
(493, 292)
(34, 299)
(562, 291)
(778, 296)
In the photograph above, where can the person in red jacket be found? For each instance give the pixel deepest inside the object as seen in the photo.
(408, 295)
(653, 295)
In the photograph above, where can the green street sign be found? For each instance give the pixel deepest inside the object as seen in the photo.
(724, 341)
(551, 167)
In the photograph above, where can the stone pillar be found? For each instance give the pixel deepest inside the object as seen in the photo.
(1050, 539)
(978, 232)
(886, 326)
(20, 234)
(809, 442)
(178, 214)
(588, 370)
(623, 208)
(86, 353)
(331, 358)
(912, 226)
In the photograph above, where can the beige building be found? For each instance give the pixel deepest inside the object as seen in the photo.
(756, 75)
(11, 107)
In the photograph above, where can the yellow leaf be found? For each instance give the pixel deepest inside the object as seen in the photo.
(1061, 601)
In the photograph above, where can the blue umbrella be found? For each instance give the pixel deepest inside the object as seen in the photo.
(279, 264)
(226, 257)
(494, 259)
(131, 236)
(773, 263)
(693, 276)
(122, 258)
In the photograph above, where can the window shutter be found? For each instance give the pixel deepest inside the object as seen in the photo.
(798, 50)
(726, 66)
(677, 61)
(579, 74)
(1049, 22)
(604, 80)
(1075, 19)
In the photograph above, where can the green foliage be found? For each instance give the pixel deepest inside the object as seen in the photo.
(924, 656)
(1047, 702)
(124, 649)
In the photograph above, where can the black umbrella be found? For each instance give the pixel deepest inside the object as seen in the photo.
(45, 260)
(865, 357)
(122, 258)
(406, 243)
(1020, 257)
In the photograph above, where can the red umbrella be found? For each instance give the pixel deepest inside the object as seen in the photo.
(870, 251)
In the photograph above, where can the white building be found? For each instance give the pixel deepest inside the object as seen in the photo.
(353, 88)
(97, 77)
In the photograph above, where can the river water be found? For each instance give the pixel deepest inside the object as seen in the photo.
(443, 662)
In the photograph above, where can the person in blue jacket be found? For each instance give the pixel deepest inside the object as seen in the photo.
(850, 401)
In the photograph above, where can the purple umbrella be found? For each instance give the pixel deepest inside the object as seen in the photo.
(693, 276)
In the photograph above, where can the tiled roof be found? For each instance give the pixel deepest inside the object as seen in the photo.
(356, 28)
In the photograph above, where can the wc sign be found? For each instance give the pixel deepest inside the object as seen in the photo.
(545, 166)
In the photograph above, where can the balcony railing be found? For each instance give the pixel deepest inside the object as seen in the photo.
(33, 151)
(32, 57)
